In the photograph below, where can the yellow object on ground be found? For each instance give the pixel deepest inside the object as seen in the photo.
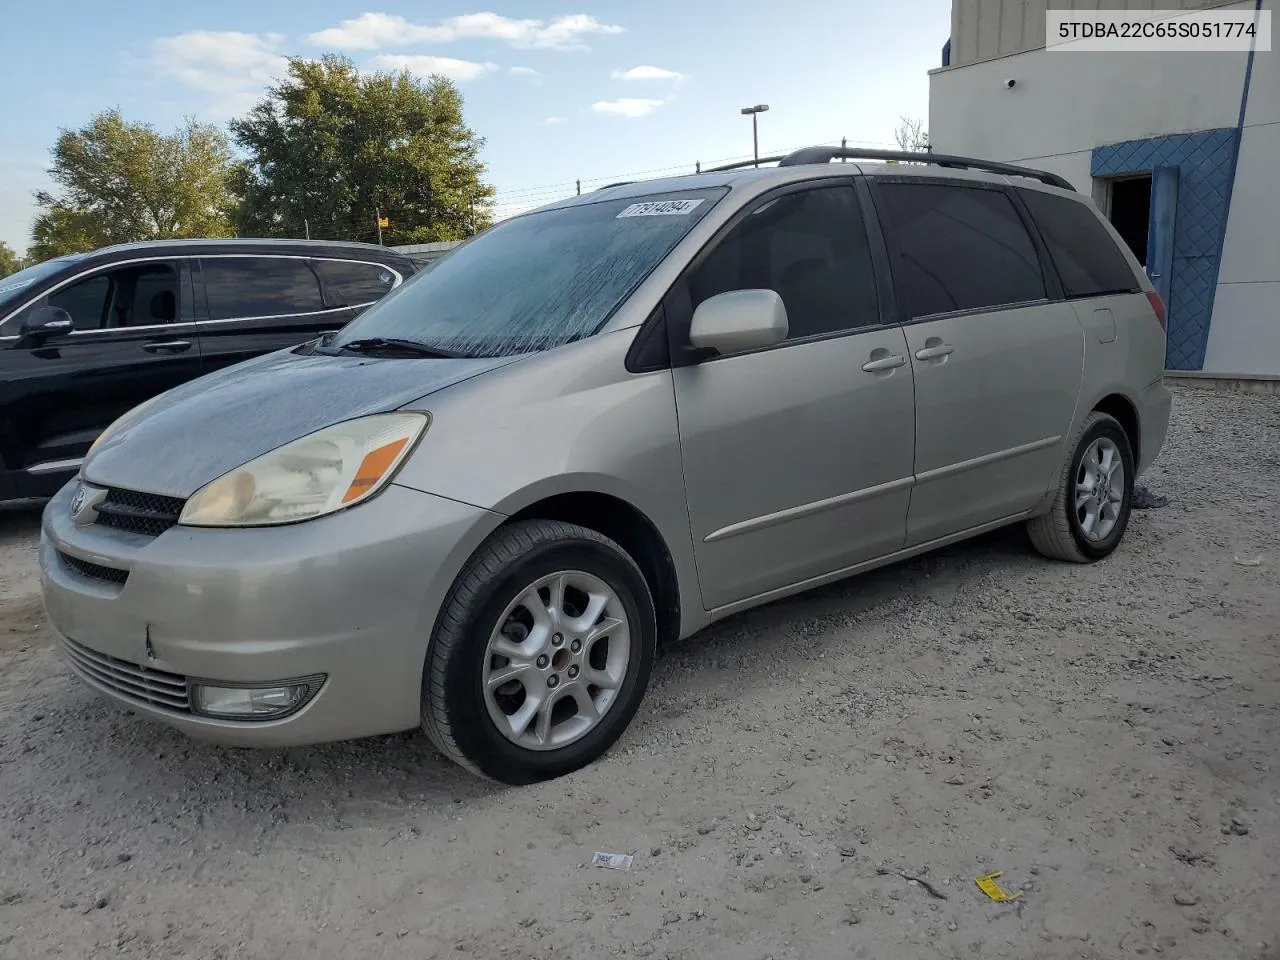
(992, 889)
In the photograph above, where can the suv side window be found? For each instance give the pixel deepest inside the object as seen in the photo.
(85, 300)
(811, 248)
(955, 248)
(1085, 254)
(351, 284)
(133, 296)
(242, 288)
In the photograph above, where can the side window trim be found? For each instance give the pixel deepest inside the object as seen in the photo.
(1052, 283)
(309, 261)
(675, 309)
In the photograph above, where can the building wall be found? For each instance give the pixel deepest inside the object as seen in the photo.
(983, 29)
(1245, 335)
(1065, 106)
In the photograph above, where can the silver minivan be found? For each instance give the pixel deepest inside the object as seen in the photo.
(600, 426)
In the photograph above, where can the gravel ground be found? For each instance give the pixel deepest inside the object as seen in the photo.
(1107, 736)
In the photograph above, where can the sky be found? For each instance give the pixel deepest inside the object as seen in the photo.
(585, 90)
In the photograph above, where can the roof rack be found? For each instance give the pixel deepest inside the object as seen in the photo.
(827, 154)
(742, 164)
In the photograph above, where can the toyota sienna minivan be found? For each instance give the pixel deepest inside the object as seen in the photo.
(602, 425)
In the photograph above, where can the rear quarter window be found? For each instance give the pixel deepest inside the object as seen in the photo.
(351, 284)
(1087, 258)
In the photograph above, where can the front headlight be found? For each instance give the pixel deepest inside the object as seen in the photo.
(320, 473)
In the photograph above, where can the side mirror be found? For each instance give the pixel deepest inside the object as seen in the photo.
(45, 322)
(739, 320)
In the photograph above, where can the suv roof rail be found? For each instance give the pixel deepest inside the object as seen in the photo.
(827, 154)
(610, 186)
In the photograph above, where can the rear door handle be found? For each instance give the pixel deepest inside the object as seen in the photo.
(935, 352)
(884, 363)
(168, 346)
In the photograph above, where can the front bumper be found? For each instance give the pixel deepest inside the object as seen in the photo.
(351, 597)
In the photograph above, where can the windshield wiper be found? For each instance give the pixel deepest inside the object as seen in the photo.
(374, 344)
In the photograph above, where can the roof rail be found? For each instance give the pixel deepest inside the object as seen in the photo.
(827, 154)
(610, 186)
(741, 164)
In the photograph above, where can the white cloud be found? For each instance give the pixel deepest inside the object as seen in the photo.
(369, 31)
(525, 72)
(646, 72)
(220, 61)
(551, 121)
(627, 106)
(424, 66)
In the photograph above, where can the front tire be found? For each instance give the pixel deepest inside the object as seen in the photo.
(1095, 495)
(541, 653)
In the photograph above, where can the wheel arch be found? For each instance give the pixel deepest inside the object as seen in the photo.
(628, 526)
(1125, 411)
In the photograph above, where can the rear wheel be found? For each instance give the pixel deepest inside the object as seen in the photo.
(1095, 494)
(541, 655)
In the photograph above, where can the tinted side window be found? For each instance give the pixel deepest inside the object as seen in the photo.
(1087, 258)
(350, 284)
(956, 248)
(811, 248)
(144, 296)
(85, 300)
(239, 287)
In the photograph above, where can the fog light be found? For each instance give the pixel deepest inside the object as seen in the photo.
(253, 703)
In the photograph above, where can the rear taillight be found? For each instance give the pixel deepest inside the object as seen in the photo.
(1158, 306)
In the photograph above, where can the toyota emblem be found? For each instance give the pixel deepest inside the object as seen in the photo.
(84, 505)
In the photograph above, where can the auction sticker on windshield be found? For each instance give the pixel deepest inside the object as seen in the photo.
(660, 208)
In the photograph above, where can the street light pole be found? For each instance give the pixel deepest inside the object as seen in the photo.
(755, 112)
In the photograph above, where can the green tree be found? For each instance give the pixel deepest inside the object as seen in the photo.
(330, 148)
(10, 262)
(127, 181)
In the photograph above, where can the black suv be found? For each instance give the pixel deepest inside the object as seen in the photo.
(86, 337)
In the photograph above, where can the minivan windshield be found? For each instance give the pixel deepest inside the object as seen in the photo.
(14, 286)
(535, 282)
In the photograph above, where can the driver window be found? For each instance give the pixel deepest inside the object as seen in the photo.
(85, 300)
(811, 248)
(135, 296)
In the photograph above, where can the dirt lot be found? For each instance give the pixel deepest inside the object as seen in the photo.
(1108, 736)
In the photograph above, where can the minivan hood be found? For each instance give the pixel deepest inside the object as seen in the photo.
(198, 431)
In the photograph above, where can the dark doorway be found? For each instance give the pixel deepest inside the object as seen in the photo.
(1131, 212)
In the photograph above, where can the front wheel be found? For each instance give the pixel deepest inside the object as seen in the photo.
(1095, 494)
(541, 655)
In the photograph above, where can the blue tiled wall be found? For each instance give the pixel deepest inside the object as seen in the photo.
(1205, 161)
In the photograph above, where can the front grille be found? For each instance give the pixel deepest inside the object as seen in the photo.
(94, 571)
(146, 513)
(136, 683)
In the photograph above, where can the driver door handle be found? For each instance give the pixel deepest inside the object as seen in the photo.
(884, 363)
(168, 346)
(934, 352)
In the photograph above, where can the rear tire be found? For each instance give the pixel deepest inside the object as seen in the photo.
(541, 653)
(1095, 495)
